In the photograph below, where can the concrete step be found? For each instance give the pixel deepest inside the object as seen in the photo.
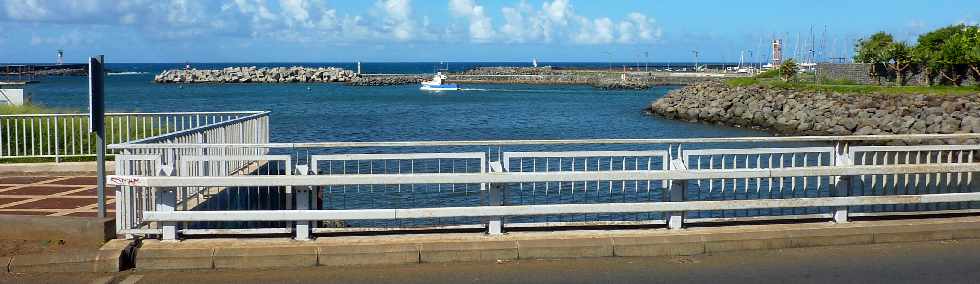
(253, 253)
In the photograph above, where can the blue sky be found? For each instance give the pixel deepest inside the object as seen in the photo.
(453, 30)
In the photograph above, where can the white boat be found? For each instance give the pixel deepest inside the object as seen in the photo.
(436, 84)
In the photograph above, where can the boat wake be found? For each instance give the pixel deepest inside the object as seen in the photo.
(565, 91)
(125, 73)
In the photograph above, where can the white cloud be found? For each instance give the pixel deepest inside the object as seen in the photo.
(597, 31)
(398, 18)
(26, 10)
(296, 12)
(316, 21)
(557, 11)
(480, 26)
(558, 20)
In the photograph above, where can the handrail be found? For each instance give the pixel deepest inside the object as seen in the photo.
(133, 113)
(523, 177)
(893, 137)
(191, 130)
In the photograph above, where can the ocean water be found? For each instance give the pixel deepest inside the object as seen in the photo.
(334, 112)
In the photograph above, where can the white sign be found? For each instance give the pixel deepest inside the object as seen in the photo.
(12, 97)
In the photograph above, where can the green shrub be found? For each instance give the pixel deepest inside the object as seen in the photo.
(739, 82)
(771, 73)
(828, 81)
(27, 109)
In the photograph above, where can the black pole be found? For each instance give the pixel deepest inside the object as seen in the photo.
(96, 75)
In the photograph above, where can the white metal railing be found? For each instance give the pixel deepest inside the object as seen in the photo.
(363, 186)
(252, 127)
(67, 135)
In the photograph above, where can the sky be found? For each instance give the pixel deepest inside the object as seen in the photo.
(454, 30)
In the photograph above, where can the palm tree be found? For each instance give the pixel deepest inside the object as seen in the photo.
(788, 69)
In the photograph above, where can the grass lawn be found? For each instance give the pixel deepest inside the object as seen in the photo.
(29, 109)
(24, 136)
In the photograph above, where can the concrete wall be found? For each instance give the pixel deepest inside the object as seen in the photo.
(858, 73)
(13, 96)
(74, 231)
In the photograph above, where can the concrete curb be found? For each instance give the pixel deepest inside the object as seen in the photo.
(489, 250)
(367, 254)
(56, 169)
(74, 231)
(111, 257)
(163, 258)
(265, 257)
(565, 248)
(462, 247)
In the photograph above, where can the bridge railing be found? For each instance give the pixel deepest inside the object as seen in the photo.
(60, 136)
(318, 188)
(241, 128)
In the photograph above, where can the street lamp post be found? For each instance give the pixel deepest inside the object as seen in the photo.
(609, 59)
(646, 61)
(696, 54)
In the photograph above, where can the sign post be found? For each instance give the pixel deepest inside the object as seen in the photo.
(96, 121)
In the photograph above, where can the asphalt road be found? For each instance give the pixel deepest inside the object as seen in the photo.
(932, 262)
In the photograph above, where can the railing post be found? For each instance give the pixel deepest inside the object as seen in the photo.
(167, 202)
(2, 140)
(57, 141)
(303, 203)
(676, 190)
(495, 225)
(842, 184)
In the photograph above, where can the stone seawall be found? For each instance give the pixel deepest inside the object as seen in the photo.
(256, 75)
(385, 80)
(791, 112)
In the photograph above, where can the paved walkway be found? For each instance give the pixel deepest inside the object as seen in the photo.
(927, 262)
(51, 196)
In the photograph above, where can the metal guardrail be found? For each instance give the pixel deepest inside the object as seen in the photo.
(66, 135)
(251, 127)
(369, 186)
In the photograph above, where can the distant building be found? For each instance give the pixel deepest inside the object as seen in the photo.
(777, 52)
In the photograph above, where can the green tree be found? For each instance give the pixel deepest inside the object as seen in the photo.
(788, 69)
(873, 51)
(930, 53)
(898, 56)
(969, 42)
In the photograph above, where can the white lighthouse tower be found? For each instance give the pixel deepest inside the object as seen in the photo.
(61, 56)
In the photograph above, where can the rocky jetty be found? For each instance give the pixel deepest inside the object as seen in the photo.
(505, 70)
(256, 75)
(793, 112)
(620, 85)
(384, 80)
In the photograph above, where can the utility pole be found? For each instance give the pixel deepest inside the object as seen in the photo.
(646, 61)
(96, 123)
(696, 54)
(609, 59)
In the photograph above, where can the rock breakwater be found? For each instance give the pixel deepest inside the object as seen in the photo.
(385, 80)
(620, 85)
(256, 75)
(794, 112)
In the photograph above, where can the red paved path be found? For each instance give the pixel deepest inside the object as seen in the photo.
(52, 196)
